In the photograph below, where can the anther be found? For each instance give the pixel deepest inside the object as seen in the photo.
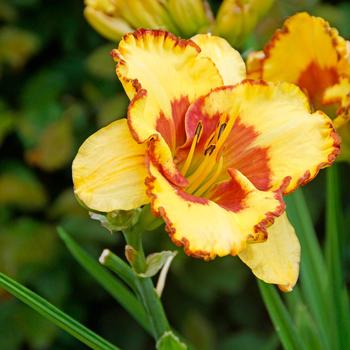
(198, 131)
(221, 130)
(209, 150)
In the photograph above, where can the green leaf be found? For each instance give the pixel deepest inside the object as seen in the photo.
(55, 315)
(306, 328)
(155, 262)
(281, 318)
(118, 291)
(313, 277)
(338, 296)
(169, 341)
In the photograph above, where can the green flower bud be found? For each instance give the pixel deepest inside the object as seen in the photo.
(102, 15)
(117, 220)
(236, 19)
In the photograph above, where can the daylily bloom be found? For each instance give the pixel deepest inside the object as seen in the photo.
(211, 152)
(311, 54)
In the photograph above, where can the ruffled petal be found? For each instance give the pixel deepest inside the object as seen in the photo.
(339, 94)
(171, 71)
(277, 259)
(228, 60)
(163, 75)
(319, 55)
(270, 134)
(207, 229)
(255, 62)
(109, 170)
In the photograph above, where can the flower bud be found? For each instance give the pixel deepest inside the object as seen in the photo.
(190, 16)
(150, 14)
(236, 19)
(117, 220)
(103, 16)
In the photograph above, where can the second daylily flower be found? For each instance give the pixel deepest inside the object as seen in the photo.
(308, 52)
(213, 153)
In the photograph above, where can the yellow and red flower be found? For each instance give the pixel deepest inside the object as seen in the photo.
(312, 55)
(212, 152)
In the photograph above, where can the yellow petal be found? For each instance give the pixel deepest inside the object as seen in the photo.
(168, 68)
(319, 55)
(277, 259)
(205, 228)
(228, 60)
(271, 136)
(255, 62)
(109, 170)
(311, 39)
(339, 94)
(163, 74)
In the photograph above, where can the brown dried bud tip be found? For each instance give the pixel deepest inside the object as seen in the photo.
(130, 254)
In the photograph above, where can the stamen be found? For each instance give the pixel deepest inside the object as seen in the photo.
(221, 130)
(212, 180)
(209, 150)
(197, 135)
(199, 129)
(200, 174)
(224, 132)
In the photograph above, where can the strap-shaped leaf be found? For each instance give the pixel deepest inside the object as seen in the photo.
(55, 315)
(280, 318)
(313, 276)
(109, 282)
(338, 296)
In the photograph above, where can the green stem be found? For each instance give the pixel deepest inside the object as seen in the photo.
(149, 297)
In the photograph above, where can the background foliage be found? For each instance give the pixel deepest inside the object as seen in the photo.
(57, 87)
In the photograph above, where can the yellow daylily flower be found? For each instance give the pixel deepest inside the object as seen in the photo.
(320, 65)
(211, 152)
(308, 52)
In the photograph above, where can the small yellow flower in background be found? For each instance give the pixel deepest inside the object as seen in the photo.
(114, 18)
(237, 18)
(211, 152)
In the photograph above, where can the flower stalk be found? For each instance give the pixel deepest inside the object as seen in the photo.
(144, 285)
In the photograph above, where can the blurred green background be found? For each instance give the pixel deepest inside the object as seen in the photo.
(57, 87)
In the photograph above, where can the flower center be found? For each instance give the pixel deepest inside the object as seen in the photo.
(209, 158)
